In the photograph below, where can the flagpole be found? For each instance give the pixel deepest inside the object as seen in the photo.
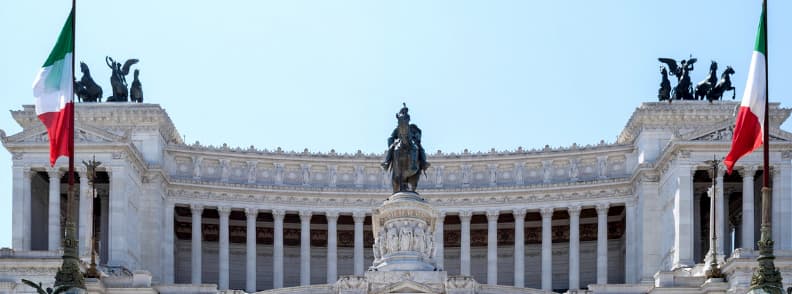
(766, 277)
(69, 274)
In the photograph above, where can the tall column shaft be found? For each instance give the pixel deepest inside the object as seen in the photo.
(197, 265)
(277, 252)
(782, 206)
(305, 248)
(358, 217)
(748, 240)
(464, 255)
(332, 243)
(55, 230)
(439, 240)
(683, 224)
(631, 233)
(547, 248)
(574, 247)
(223, 267)
(602, 244)
(519, 247)
(86, 215)
(27, 210)
(492, 247)
(720, 215)
(19, 231)
(167, 248)
(250, 250)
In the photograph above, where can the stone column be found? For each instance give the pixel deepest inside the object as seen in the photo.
(547, 248)
(305, 248)
(223, 267)
(167, 254)
(574, 247)
(332, 235)
(464, 255)
(748, 241)
(86, 214)
(492, 247)
(277, 252)
(720, 215)
(782, 205)
(602, 243)
(54, 209)
(197, 265)
(630, 234)
(118, 217)
(250, 250)
(20, 231)
(358, 217)
(439, 239)
(519, 247)
(683, 223)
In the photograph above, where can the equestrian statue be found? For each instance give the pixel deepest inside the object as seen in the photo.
(405, 157)
(86, 89)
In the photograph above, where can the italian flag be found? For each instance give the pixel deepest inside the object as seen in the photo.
(54, 92)
(749, 125)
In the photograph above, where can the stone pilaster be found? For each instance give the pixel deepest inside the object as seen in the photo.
(332, 243)
(55, 230)
(547, 248)
(20, 229)
(168, 265)
(439, 239)
(358, 217)
(602, 243)
(519, 247)
(223, 266)
(492, 247)
(747, 239)
(197, 265)
(250, 250)
(305, 247)
(277, 251)
(574, 247)
(464, 255)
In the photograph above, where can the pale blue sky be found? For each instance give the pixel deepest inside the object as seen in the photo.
(329, 75)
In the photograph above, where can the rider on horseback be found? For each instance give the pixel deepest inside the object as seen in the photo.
(415, 142)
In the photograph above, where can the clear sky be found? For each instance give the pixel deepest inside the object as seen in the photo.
(329, 75)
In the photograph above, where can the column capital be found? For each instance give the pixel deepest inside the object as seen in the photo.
(305, 215)
(224, 211)
(519, 213)
(359, 216)
(331, 215)
(441, 216)
(251, 212)
(278, 214)
(492, 215)
(747, 171)
(196, 208)
(547, 212)
(574, 210)
(465, 215)
(721, 171)
(630, 203)
(602, 208)
(54, 172)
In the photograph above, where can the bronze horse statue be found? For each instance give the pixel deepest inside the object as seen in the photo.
(704, 87)
(86, 89)
(405, 170)
(664, 93)
(724, 84)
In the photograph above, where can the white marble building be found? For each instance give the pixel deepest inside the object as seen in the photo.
(624, 217)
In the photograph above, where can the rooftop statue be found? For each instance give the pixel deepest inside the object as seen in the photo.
(86, 89)
(683, 90)
(118, 79)
(723, 85)
(136, 90)
(704, 87)
(406, 157)
(664, 93)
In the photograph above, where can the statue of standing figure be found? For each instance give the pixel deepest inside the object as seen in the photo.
(118, 79)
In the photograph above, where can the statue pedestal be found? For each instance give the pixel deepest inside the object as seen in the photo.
(404, 234)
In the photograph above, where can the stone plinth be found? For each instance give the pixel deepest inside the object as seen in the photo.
(404, 229)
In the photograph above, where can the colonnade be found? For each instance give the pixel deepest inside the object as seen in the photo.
(465, 217)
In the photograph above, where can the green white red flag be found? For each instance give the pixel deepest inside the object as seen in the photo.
(54, 92)
(749, 125)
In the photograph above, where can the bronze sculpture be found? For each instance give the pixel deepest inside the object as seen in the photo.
(86, 89)
(664, 93)
(136, 90)
(405, 157)
(724, 84)
(682, 91)
(118, 79)
(704, 87)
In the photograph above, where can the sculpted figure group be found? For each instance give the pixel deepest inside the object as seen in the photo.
(407, 236)
(89, 91)
(710, 88)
